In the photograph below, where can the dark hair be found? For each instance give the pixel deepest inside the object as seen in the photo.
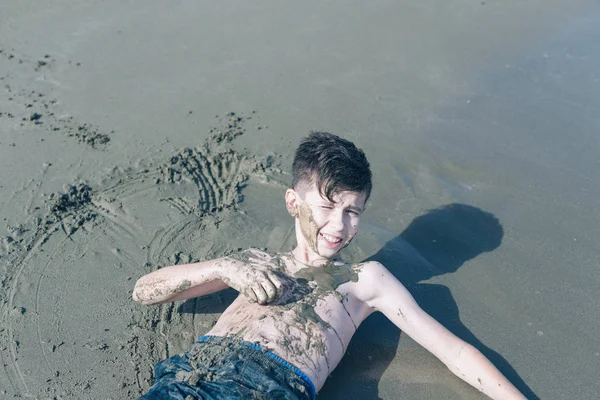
(332, 163)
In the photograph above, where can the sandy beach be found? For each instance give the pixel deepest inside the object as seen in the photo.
(135, 135)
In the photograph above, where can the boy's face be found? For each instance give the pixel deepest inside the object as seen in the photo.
(325, 227)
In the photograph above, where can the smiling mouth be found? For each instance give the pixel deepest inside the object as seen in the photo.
(330, 240)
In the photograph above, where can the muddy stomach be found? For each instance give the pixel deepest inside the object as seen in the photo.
(312, 339)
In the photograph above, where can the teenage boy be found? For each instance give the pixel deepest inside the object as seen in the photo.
(296, 312)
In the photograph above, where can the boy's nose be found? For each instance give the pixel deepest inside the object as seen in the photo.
(337, 221)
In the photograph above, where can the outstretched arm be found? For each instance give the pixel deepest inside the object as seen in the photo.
(464, 360)
(254, 280)
(180, 282)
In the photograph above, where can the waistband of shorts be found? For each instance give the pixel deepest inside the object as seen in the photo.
(272, 355)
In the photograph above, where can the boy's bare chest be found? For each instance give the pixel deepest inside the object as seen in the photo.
(317, 308)
(307, 311)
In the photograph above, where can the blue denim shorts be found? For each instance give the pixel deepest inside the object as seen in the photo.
(216, 368)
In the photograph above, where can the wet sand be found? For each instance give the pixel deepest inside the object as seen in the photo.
(135, 135)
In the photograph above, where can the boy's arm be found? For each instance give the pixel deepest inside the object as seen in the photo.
(186, 281)
(390, 297)
(179, 282)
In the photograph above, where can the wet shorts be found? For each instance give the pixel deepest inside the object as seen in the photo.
(224, 368)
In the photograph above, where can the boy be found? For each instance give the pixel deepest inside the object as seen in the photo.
(296, 312)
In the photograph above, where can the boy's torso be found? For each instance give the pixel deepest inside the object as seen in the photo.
(311, 324)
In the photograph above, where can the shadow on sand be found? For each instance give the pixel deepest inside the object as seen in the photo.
(435, 243)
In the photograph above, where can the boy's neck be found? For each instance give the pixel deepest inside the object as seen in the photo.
(308, 258)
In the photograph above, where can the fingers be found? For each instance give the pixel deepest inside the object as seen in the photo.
(261, 294)
(276, 283)
(268, 289)
(250, 295)
(258, 282)
(262, 291)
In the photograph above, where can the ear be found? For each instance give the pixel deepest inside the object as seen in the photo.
(291, 202)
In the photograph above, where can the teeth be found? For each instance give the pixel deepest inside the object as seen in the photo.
(331, 238)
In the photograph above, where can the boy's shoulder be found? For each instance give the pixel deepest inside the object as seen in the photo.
(371, 269)
(372, 277)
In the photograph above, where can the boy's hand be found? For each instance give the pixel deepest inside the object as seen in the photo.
(254, 278)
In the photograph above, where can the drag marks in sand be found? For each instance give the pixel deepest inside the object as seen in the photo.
(69, 328)
(32, 107)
